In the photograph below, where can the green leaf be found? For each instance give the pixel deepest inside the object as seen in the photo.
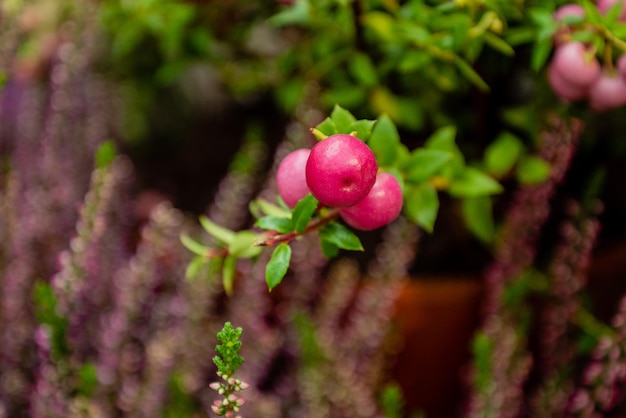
(193, 245)
(499, 44)
(275, 223)
(532, 170)
(421, 204)
(342, 237)
(220, 233)
(540, 53)
(443, 139)
(105, 154)
(327, 127)
(263, 206)
(363, 70)
(363, 129)
(384, 141)
(342, 119)
(502, 154)
(424, 162)
(297, 14)
(228, 274)
(278, 265)
(592, 14)
(470, 74)
(478, 216)
(302, 213)
(329, 249)
(193, 268)
(473, 183)
(242, 245)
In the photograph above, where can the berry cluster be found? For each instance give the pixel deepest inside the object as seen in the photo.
(576, 74)
(341, 171)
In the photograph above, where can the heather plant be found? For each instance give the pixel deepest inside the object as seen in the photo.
(501, 113)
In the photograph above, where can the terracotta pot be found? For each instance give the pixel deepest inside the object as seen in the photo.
(437, 318)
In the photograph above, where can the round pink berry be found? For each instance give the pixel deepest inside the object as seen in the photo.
(608, 92)
(567, 10)
(341, 170)
(382, 205)
(564, 89)
(572, 61)
(291, 177)
(605, 5)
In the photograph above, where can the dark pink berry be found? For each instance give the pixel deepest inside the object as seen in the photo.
(291, 177)
(382, 205)
(341, 170)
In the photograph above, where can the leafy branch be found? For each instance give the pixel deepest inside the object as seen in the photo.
(437, 167)
(228, 361)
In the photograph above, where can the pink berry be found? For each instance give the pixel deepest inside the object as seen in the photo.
(382, 205)
(608, 92)
(562, 88)
(341, 170)
(291, 177)
(572, 61)
(569, 10)
(605, 5)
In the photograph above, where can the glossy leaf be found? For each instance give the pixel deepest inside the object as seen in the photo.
(327, 127)
(260, 206)
(502, 154)
(532, 170)
(421, 204)
(193, 268)
(193, 245)
(363, 128)
(275, 223)
(342, 119)
(384, 141)
(424, 162)
(303, 212)
(278, 265)
(220, 233)
(243, 245)
(470, 74)
(228, 274)
(329, 249)
(363, 70)
(337, 234)
(478, 216)
(473, 183)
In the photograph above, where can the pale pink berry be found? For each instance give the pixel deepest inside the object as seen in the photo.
(574, 63)
(382, 205)
(341, 170)
(564, 89)
(567, 10)
(605, 5)
(608, 92)
(291, 177)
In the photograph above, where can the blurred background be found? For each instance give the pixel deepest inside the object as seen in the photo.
(123, 121)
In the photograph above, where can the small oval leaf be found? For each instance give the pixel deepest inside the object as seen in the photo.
(278, 265)
(342, 237)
